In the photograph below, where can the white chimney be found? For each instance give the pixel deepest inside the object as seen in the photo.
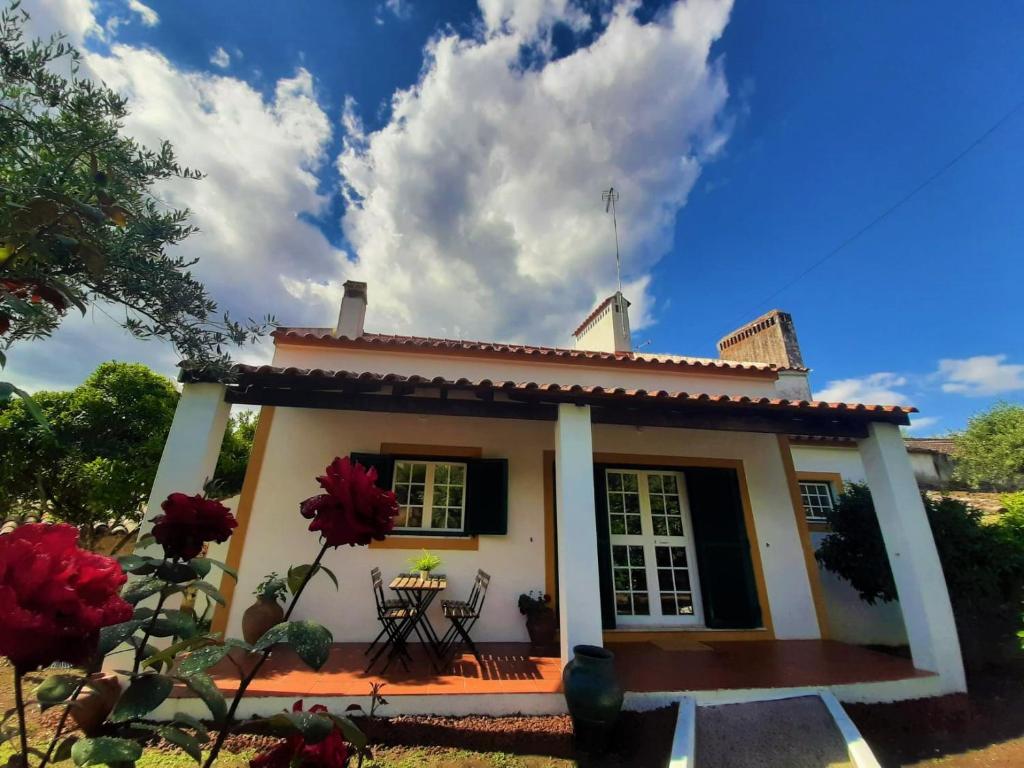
(353, 310)
(606, 329)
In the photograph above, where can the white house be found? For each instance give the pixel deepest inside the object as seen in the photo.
(669, 503)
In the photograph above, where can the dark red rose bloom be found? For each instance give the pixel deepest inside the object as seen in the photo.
(294, 752)
(354, 510)
(188, 522)
(55, 597)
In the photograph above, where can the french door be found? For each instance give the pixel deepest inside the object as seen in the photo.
(654, 566)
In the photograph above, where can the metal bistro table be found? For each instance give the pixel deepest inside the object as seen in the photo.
(419, 594)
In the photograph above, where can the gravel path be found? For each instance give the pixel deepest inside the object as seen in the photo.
(796, 733)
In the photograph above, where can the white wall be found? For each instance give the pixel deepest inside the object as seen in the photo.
(850, 618)
(303, 441)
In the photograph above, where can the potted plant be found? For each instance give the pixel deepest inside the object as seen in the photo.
(267, 611)
(424, 564)
(540, 618)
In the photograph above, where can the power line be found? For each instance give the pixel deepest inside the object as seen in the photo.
(898, 204)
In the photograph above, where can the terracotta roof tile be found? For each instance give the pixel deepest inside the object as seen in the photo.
(597, 393)
(540, 354)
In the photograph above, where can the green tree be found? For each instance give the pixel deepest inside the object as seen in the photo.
(234, 454)
(78, 219)
(990, 452)
(99, 457)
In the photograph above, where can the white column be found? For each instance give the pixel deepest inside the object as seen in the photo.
(193, 444)
(579, 593)
(920, 584)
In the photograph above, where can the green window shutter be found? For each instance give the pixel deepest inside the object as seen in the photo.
(727, 584)
(385, 466)
(604, 548)
(487, 497)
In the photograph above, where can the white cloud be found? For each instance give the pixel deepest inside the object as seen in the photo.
(400, 9)
(873, 389)
(981, 376)
(220, 58)
(921, 423)
(478, 205)
(75, 18)
(147, 15)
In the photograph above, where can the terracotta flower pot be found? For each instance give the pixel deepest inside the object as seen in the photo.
(92, 706)
(542, 627)
(265, 613)
(593, 694)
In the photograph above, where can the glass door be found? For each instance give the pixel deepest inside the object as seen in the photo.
(654, 570)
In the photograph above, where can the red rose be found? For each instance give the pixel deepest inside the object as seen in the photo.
(188, 522)
(55, 597)
(293, 752)
(354, 510)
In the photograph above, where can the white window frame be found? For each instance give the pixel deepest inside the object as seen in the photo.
(808, 514)
(428, 495)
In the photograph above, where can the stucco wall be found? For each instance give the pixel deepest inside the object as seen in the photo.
(850, 618)
(303, 441)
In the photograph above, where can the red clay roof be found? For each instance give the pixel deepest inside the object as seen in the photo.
(325, 336)
(565, 391)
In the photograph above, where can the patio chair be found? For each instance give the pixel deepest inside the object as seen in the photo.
(463, 614)
(394, 602)
(392, 614)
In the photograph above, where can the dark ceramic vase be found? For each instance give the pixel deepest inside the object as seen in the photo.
(593, 694)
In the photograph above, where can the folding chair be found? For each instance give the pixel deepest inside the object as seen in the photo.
(463, 614)
(379, 599)
(393, 616)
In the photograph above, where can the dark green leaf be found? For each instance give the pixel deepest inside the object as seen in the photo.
(296, 575)
(209, 590)
(223, 566)
(177, 573)
(313, 727)
(203, 687)
(175, 623)
(352, 733)
(138, 565)
(105, 750)
(115, 634)
(202, 658)
(146, 540)
(184, 740)
(143, 695)
(201, 566)
(137, 591)
(330, 573)
(56, 689)
(311, 641)
(63, 750)
(167, 654)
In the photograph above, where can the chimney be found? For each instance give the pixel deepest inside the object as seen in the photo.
(353, 310)
(606, 329)
(771, 338)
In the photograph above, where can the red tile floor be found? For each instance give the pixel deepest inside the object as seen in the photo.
(642, 666)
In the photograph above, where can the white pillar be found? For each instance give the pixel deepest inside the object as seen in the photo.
(920, 584)
(579, 593)
(193, 445)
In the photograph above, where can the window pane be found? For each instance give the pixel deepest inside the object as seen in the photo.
(675, 526)
(668, 604)
(623, 604)
(455, 494)
(670, 484)
(633, 525)
(457, 476)
(632, 503)
(416, 494)
(402, 494)
(636, 556)
(402, 519)
(438, 518)
(440, 496)
(629, 482)
(685, 604)
(618, 524)
(619, 555)
(621, 578)
(615, 505)
(660, 528)
(654, 483)
(441, 474)
(614, 481)
(455, 519)
(665, 580)
(419, 473)
(641, 604)
(662, 557)
(415, 517)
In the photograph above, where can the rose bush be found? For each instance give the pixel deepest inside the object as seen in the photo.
(55, 597)
(298, 752)
(189, 522)
(353, 510)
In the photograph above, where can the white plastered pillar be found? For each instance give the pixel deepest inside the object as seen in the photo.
(916, 569)
(579, 595)
(193, 445)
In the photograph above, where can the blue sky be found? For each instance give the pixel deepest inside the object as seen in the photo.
(453, 155)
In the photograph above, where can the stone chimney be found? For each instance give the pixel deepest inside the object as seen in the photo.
(606, 329)
(771, 338)
(353, 310)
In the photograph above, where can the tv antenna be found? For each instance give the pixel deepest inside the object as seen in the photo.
(609, 196)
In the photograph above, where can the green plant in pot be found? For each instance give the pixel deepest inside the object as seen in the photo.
(535, 605)
(424, 563)
(268, 610)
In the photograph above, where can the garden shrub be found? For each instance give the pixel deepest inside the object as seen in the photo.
(983, 565)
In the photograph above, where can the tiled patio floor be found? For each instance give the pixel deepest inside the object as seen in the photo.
(642, 667)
